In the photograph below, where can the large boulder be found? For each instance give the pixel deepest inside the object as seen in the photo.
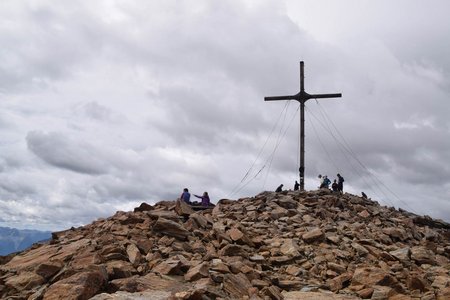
(316, 234)
(170, 228)
(24, 281)
(79, 286)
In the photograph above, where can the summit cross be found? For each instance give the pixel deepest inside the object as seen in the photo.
(302, 97)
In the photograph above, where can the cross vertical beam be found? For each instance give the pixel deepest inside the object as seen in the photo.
(302, 97)
(301, 170)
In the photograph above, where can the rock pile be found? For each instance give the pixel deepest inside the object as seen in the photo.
(289, 245)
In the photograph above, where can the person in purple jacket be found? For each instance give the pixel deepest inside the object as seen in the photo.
(205, 199)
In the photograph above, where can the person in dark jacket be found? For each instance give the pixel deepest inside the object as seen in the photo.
(279, 189)
(296, 186)
(334, 186)
(326, 182)
(205, 199)
(340, 183)
(185, 196)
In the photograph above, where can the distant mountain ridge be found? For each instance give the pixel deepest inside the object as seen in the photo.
(13, 240)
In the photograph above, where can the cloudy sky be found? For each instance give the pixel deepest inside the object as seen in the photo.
(107, 104)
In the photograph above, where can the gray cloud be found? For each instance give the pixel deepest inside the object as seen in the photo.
(62, 152)
(43, 46)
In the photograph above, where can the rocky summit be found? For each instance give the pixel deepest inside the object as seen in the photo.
(288, 245)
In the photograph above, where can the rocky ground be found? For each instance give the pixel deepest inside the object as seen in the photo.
(289, 245)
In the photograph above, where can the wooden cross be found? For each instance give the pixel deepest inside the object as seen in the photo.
(302, 97)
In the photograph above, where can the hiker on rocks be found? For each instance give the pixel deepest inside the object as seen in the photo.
(334, 186)
(205, 199)
(185, 196)
(279, 189)
(296, 186)
(340, 183)
(326, 182)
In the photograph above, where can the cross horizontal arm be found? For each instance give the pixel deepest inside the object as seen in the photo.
(302, 96)
(274, 98)
(326, 96)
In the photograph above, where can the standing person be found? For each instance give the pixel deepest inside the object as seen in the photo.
(340, 183)
(334, 186)
(296, 186)
(326, 182)
(185, 196)
(320, 181)
(279, 189)
(205, 199)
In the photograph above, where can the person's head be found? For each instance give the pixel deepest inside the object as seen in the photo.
(185, 190)
(335, 180)
(325, 176)
(205, 194)
(338, 175)
(320, 176)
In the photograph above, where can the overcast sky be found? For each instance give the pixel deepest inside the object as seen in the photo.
(107, 104)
